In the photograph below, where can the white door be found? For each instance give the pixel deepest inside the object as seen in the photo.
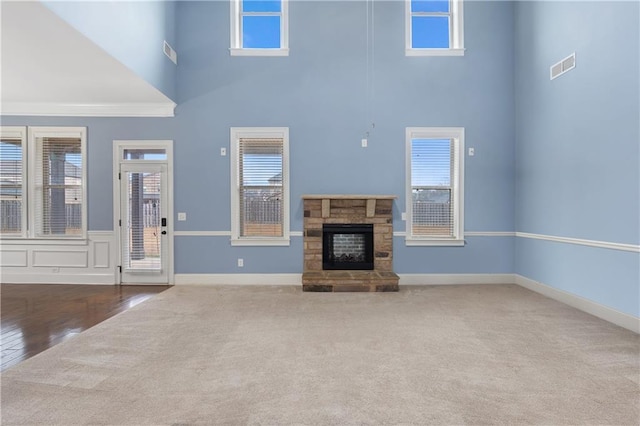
(144, 231)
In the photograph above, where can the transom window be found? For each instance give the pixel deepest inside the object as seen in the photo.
(260, 192)
(42, 182)
(434, 27)
(435, 186)
(259, 28)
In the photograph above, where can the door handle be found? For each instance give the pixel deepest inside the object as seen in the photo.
(164, 232)
(164, 221)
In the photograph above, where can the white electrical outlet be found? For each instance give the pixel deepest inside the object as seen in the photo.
(240, 263)
(364, 143)
(223, 151)
(182, 216)
(472, 152)
(404, 216)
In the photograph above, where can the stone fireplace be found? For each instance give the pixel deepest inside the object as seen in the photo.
(348, 243)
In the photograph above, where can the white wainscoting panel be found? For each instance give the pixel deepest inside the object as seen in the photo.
(88, 261)
(101, 251)
(60, 258)
(13, 258)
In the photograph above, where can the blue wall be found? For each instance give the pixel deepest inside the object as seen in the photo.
(577, 149)
(133, 32)
(319, 92)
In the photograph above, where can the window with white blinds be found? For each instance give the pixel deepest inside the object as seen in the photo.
(12, 182)
(59, 184)
(42, 182)
(434, 185)
(260, 192)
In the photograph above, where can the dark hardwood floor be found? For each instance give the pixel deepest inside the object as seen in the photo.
(35, 317)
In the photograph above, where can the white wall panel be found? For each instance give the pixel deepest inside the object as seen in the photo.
(64, 262)
(13, 258)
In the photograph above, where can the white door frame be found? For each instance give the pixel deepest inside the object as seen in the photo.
(118, 149)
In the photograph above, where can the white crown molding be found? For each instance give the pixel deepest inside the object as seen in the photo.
(165, 109)
(604, 312)
(591, 243)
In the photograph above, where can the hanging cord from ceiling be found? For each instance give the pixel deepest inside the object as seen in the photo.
(370, 67)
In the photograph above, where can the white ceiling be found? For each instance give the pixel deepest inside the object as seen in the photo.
(49, 68)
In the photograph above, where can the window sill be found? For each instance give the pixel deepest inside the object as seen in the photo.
(435, 52)
(15, 241)
(260, 242)
(235, 51)
(434, 242)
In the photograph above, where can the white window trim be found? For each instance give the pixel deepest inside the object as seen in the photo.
(456, 133)
(19, 133)
(238, 133)
(456, 36)
(236, 48)
(56, 132)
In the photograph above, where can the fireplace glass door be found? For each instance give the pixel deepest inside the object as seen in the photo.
(347, 246)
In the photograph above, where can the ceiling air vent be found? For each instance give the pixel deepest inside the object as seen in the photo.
(171, 54)
(563, 66)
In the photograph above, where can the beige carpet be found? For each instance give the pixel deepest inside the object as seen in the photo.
(274, 355)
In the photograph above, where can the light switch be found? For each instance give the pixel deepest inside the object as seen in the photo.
(182, 216)
(472, 152)
(223, 151)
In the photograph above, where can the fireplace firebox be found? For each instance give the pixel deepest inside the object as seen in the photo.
(347, 246)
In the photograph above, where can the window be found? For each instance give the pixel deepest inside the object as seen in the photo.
(434, 28)
(435, 186)
(12, 183)
(259, 28)
(43, 182)
(260, 186)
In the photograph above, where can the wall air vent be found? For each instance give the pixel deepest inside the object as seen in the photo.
(171, 54)
(563, 66)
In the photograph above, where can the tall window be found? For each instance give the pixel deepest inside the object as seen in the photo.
(260, 191)
(12, 181)
(434, 27)
(43, 183)
(259, 28)
(435, 186)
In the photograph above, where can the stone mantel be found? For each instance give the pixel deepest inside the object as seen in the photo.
(326, 200)
(348, 197)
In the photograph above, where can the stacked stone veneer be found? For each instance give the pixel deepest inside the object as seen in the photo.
(354, 209)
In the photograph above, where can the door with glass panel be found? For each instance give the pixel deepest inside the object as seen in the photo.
(143, 223)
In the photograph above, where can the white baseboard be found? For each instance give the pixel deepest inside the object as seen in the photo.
(57, 278)
(238, 279)
(604, 312)
(296, 279)
(453, 279)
